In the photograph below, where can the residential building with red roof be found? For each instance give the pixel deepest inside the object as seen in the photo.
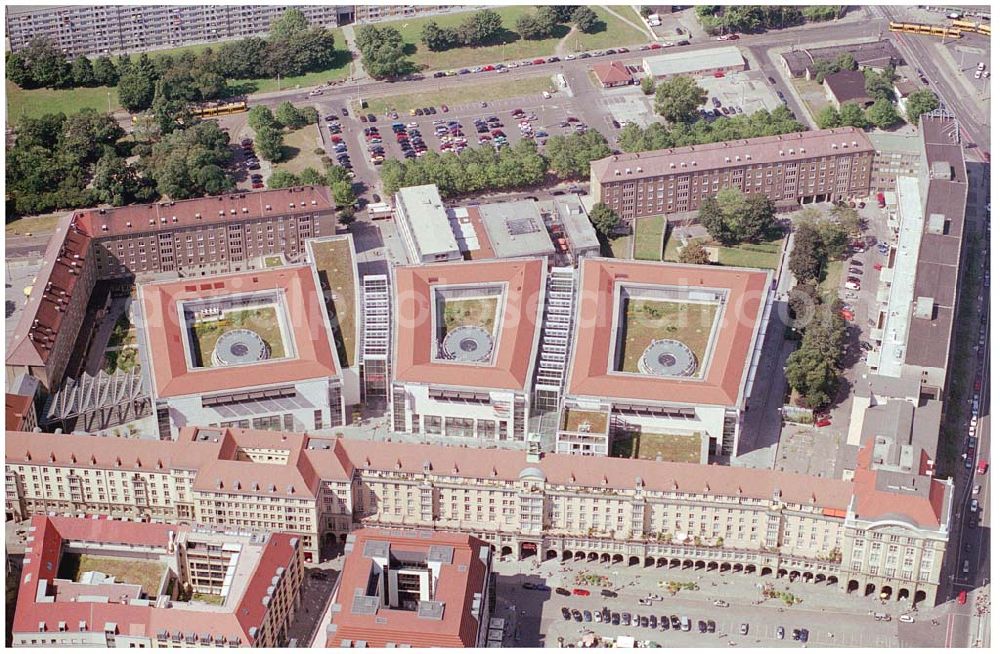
(640, 512)
(251, 350)
(612, 73)
(19, 412)
(464, 348)
(208, 235)
(46, 334)
(663, 349)
(412, 588)
(791, 169)
(107, 583)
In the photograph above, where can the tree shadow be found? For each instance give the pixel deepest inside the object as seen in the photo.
(561, 31)
(599, 26)
(239, 90)
(289, 152)
(409, 49)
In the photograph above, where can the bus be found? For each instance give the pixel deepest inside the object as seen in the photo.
(964, 25)
(983, 29)
(212, 109)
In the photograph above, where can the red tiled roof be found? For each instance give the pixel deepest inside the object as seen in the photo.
(720, 385)
(874, 504)
(314, 358)
(42, 562)
(611, 72)
(16, 407)
(457, 628)
(54, 285)
(414, 345)
(142, 218)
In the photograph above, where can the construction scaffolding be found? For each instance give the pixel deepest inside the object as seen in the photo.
(94, 403)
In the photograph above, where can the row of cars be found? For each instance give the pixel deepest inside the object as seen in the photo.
(252, 163)
(501, 68)
(409, 139)
(340, 152)
(450, 135)
(626, 619)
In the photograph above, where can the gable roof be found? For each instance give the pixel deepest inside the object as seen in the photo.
(846, 85)
(611, 72)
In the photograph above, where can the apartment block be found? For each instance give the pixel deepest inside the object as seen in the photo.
(104, 583)
(803, 167)
(651, 513)
(113, 29)
(210, 235)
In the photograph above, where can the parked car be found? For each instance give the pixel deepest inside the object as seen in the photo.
(702, 627)
(744, 629)
(588, 616)
(608, 593)
(779, 633)
(581, 592)
(566, 614)
(906, 618)
(711, 626)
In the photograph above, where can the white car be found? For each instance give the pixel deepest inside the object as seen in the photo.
(720, 603)
(906, 618)
(976, 489)
(854, 286)
(570, 57)
(979, 74)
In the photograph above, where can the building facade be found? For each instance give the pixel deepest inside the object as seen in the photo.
(815, 166)
(113, 29)
(423, 224)
(210, 235)
(190, 587)
(636, 512)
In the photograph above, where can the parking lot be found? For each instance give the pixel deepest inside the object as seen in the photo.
(748, 91)
(535, 618)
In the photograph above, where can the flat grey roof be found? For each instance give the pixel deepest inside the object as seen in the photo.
(515, 229)
(575, 220)
(678, 63)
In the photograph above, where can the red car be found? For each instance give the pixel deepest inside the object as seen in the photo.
(823, 422)
(538, 61)
(983, 465)
(336, 139)
(962, 597)
(719, 73)
(488, 68)
(582, 592)
(877, 266)
(655, 46)
(444, 108)
(979, 385)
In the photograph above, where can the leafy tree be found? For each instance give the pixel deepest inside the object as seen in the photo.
(648, 85)
(242, 59)
(564, 13)
(43, 132)
(291, 23)
(883, 114)
(282, 179)
(382, 52)
(852, 115)
(259, 117)
(585, 19)
(645, 11)
(311, 177)
(878, 85)
(818, 13)
(828, 117)
(824, 67)
(343, 193)
(802, 299)
(336, 174)
(678, 98)
(287, 115)
(570, 156)
(82, 72)
(270, 144)
(137, 86)
(85, 135)
(19, 70)
(920, 102)
(529, 28)
(806, 260)
(117, 182)
(693, 252)
(105, 73)
(438, 39)
(604, 218)
(484, 26)
(346, 217)
(732, 217)
(189, 162)
(47, 64)
(813, 370)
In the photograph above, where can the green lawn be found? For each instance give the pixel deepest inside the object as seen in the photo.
(830, 283)
(147, 574)
(261, 320)
(300, 146)
(479, 312)
(649, 238)
(573, 418)
(497, 89)
(752, 255)
(630, 15)
(38, 102)
(611, 32)
(621, 247)
(272, 262)
(649, 320)
(336, 275)
(207, 598)
(33, 224)
(680, 448)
